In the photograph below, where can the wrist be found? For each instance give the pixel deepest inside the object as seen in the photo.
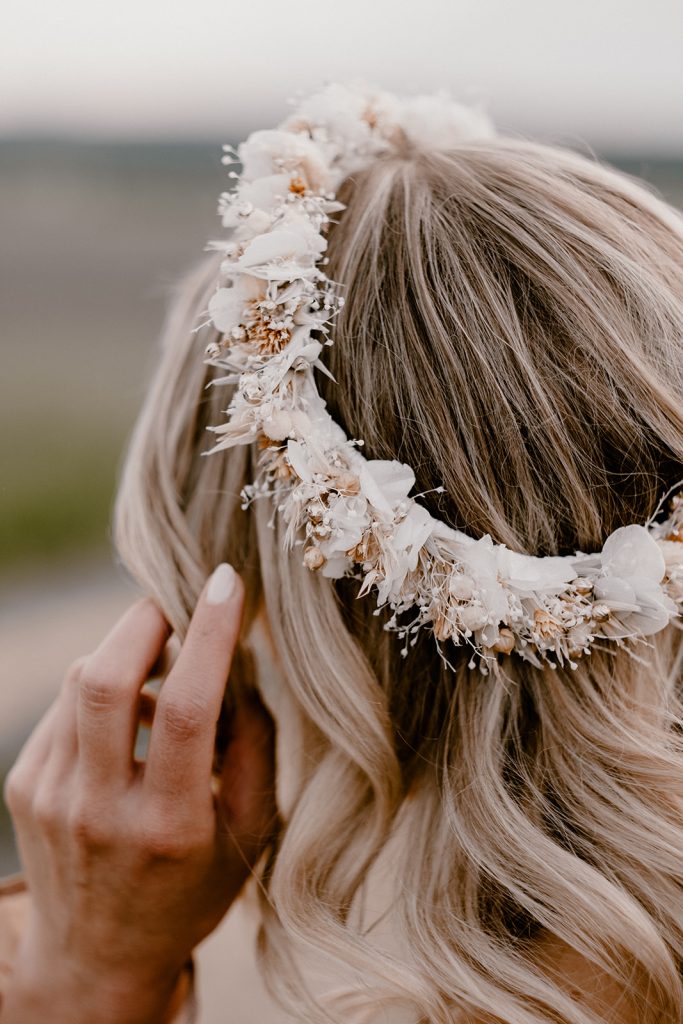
(64, 997)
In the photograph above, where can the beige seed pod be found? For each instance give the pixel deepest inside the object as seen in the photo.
(505, 644)
(347, 482)
(367, 550)
(576, 652)
(313, 557)
(280, 468)
(601, 612)
(544, 624)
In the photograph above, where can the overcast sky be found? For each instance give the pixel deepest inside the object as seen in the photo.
(609, 72)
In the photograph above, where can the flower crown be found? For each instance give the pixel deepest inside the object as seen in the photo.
(274, 309)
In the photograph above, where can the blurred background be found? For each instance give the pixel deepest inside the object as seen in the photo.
(111, 122)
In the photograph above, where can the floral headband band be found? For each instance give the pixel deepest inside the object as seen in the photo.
(274, 309)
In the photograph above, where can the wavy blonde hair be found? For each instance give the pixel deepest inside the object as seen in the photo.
(514, 331)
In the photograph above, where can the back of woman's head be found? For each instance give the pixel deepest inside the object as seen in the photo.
(512, 330)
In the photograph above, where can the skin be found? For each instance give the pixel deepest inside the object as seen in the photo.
(130, 865)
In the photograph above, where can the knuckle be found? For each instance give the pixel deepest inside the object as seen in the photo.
(183, 720)
(15, 793)
(73, 673)
(99, 690)
(148, 606)
(46, 811)
(164, 839)
(89, 829)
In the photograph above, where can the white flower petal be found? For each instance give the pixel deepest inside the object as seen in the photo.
(281, 244)
(256, 223)
(631, 551)
(649, 621)
(481, 562)
(336, 567)
(412, 533)
(278, 425)
(267, 192)
(617, 592)
(269, 152)
(348, 520)
(528, 573)
(385, 483)
(226, 309)
(672, 552)
(298, 459)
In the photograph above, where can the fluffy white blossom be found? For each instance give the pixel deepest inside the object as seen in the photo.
(436, 122)
(270, 152)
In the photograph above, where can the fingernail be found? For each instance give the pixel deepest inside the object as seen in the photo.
(221, 584)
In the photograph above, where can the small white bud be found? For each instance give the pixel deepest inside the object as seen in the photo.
(461, 587)
(473, 617)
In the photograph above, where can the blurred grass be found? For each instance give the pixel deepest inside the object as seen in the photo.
(59, 493)
(94, 236)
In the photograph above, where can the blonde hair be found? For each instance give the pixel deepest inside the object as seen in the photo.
(513, 329)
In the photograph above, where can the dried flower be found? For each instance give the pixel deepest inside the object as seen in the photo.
(506, 641)
(545, 625)
(275, 308)
(313, 558)
(461, 586)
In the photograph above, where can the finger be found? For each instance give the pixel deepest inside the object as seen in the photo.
(50, 746)
(149, 694)
(246, 799)
(63, 753)
(35, 751)
(108, 694)
(184, 731)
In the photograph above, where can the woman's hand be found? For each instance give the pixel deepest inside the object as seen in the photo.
(130, 865)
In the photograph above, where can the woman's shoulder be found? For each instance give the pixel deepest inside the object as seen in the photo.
(15, 902)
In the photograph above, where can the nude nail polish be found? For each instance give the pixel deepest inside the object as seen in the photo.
(221, 584)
